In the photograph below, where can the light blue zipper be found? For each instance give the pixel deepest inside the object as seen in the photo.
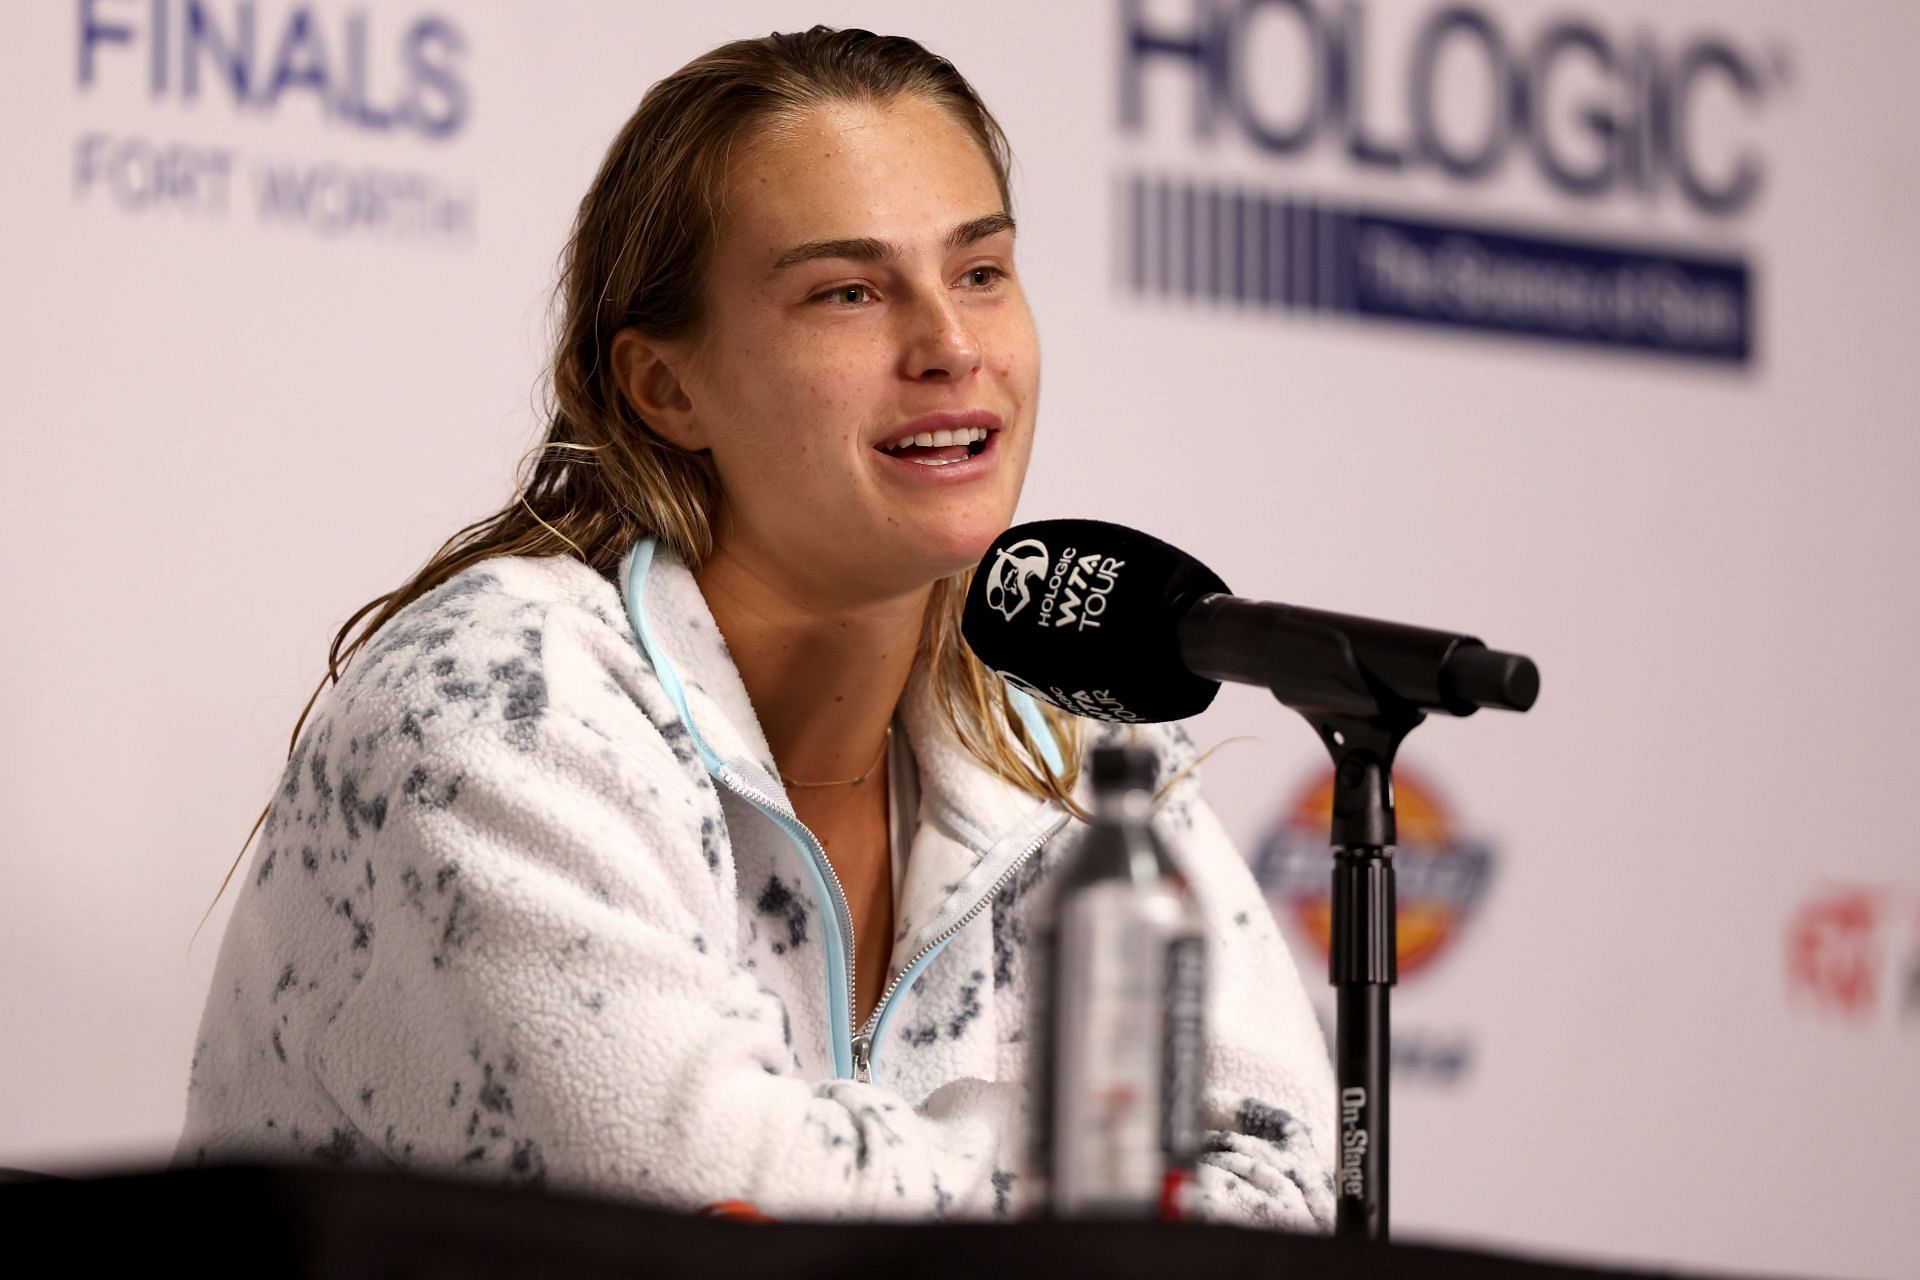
(852, 1052)
(828, 889)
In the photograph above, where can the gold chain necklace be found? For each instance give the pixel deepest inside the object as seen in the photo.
(848, 782)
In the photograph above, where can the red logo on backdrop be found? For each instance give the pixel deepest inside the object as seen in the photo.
(1835, 954)
(1853, 950)
(1440, 875)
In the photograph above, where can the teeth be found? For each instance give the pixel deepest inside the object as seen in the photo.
(939, 439)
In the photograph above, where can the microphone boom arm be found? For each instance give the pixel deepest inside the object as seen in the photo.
(1335, 664)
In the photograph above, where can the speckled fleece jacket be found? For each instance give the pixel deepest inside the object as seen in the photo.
(512, 914)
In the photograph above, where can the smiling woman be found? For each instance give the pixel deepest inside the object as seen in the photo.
(662, 838)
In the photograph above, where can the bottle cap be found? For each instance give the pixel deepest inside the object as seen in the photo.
(1123, 769)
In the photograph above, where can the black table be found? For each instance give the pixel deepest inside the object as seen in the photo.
(326, 1223)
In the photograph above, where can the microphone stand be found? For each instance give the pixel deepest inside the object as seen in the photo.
(1362, 963)
(1363, 685)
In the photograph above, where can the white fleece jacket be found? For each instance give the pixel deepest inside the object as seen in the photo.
(531, 903)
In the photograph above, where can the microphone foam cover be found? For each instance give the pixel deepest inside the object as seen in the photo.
(1086, 615)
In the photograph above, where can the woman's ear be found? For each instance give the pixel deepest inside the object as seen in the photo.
(647, 373)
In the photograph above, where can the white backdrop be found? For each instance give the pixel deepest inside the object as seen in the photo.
(266, 351)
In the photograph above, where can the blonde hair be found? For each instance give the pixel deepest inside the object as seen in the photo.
(637, 257)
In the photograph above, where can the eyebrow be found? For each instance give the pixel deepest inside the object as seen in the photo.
(868, 249)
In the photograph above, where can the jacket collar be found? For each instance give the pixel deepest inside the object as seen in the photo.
(678, 636)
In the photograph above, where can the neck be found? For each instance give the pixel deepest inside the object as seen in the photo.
(824, 672)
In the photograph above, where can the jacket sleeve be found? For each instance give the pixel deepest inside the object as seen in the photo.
(1269, 1095)
(549, 1000)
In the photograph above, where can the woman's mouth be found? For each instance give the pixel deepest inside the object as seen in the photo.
(956, 456)
(939, 448)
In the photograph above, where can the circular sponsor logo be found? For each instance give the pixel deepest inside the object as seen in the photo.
(1440, 874)
(1013, 569)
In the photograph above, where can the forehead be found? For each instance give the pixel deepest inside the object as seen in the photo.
(906, 171)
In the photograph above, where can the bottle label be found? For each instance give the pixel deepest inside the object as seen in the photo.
(1183, 1037)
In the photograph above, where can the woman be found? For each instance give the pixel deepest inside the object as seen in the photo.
(665, 840)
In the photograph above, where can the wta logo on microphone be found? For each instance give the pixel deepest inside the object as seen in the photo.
(1077, 584)
(1014, 568)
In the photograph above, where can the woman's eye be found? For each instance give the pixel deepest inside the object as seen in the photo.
(845, 295)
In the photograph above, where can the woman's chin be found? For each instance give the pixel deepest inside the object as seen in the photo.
(954, 548)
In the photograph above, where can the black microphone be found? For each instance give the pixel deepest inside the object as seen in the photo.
(1107, 622)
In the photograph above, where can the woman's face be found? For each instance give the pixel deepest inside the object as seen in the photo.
(862, 291)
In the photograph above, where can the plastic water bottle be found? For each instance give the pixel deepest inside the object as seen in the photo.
(1122, 1022)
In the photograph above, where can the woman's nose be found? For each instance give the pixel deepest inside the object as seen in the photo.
(941, 343)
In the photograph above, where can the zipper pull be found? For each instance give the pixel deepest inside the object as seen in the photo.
(863, 1059)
